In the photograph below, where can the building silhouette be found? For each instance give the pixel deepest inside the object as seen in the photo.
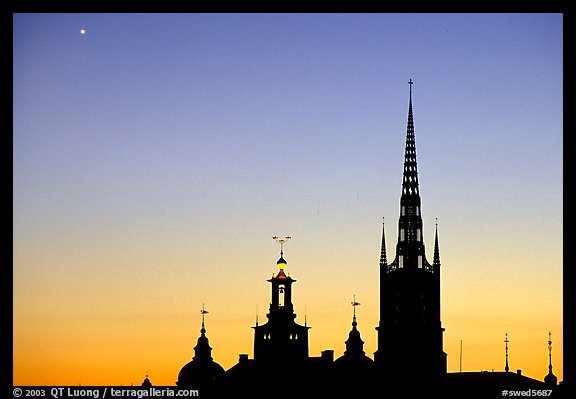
(410, 331)
(409, 360)
(281, 338)
(202, 371)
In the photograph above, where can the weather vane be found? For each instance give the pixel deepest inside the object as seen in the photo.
(203, 311)
(354, 304)
(281, 241)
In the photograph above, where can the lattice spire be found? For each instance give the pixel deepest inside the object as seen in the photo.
(410, 180)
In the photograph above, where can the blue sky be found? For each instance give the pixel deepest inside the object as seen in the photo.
(159, 145)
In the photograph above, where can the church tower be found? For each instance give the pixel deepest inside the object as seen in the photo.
(281, 340)
(410, 331)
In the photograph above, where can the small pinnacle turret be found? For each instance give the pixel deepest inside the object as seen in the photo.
(550, 378)
(383, 260)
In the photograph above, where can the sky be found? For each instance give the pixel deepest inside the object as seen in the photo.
(155, 156)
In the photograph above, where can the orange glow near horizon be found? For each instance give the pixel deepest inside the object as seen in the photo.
(157, 155)
(118, 338)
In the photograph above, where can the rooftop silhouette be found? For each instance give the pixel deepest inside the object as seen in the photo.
(410, 352)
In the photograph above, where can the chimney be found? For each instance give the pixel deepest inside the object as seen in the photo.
(328, 356)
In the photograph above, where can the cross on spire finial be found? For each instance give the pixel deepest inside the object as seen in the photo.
(410, 83)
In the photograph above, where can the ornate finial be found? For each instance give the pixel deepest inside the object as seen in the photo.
(506, 369)
(281, 262)
(281, 241)
(354, 304)
(256, 315)
(203, 311)
(550, 350)
(305, 316)
(410, 83)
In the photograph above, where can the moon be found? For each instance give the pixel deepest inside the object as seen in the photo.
(82, 31)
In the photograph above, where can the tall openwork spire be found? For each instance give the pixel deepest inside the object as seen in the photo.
(410, 181)
(410, 251)
(410, 333)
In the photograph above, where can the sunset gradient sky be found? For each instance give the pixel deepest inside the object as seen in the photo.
(155, 156)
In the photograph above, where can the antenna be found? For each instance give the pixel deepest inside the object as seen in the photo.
(460, 355)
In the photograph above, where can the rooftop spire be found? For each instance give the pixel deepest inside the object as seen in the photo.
(383, 260)
(203, 311)
(354, 344)
(410, 181)
(436, 261)
(506, 369)
(354, 304)
(202, 350)
(550, 379)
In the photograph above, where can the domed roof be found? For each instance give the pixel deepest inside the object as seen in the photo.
(202, 370)
(355, 361)
(550, 379)
(197, 373)
(354, 357)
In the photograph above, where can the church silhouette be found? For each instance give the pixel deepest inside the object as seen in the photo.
(409, 360)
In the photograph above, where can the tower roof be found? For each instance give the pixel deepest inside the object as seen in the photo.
(550, 378)
(410, 178)
(281, 263)
(202, 350)
(354, 357)
(202, 369)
